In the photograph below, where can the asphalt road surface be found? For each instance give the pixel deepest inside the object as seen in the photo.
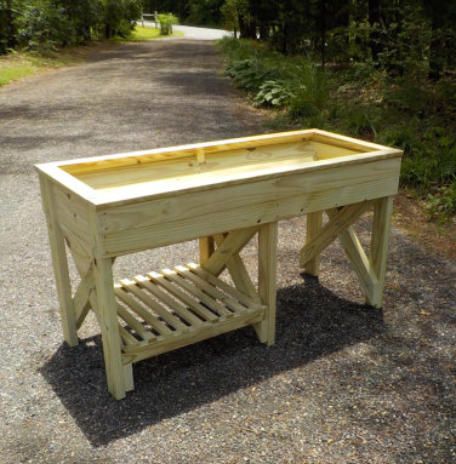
(344, 383)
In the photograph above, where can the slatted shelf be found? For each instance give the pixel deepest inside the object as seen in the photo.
(161, 311)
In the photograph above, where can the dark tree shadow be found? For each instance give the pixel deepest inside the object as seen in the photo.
(312, 322)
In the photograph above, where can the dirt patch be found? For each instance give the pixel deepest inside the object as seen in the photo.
(411, 218)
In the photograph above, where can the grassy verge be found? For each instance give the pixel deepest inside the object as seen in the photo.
(141, 34)
(18, 65)
(408, 112)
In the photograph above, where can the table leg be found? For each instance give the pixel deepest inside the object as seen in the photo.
(314, 223)
(60, 266)
(118, 377)
(383, 209)
(267, 264)
(206, 249)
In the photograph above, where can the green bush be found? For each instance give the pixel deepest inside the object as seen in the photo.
(167, 21)
(273, 93)
(442, 203)
(42, 26)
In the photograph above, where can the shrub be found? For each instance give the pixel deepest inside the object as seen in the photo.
(167, 21)
(43, 27)
(273, 93)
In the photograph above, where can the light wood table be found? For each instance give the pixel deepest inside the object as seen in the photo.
(222, 193)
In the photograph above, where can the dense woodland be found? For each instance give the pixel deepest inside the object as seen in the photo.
(384, 70)
(46, 24)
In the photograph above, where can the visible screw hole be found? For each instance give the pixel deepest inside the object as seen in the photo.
(258, 221)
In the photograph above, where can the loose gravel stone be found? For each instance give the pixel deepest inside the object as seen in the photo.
(344, 383)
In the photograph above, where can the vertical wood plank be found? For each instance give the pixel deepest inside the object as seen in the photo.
(314, 223)
(60, 265)
(206, 249)
(107, 312)
(383, 209)
(267, 264)
(128, 377)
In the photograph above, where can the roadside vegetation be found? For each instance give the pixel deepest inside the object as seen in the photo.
(416, 115)
(39, 35)
(383, 70)
(379, 70)
(48, 25)
(20, 64)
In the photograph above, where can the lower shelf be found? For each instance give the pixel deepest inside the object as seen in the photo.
(159, 312)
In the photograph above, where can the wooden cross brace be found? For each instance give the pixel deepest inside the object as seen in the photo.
(222, 252)
(370, 268)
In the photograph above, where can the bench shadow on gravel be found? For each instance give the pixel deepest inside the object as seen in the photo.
(312, 322)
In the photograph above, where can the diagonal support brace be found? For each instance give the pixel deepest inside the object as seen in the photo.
(342, 219)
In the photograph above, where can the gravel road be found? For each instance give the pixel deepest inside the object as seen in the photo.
(344, 383)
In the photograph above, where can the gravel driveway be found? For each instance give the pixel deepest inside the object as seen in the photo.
(344, 383)
(195, 33)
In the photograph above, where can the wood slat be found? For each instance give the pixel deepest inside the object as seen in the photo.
(244, 299)
(154, 295)
(172, 303)
(143, 351)
(127, 337)
(228, 300)
(134, 323)
(165, 313)
(213, 304)
(196, 307)
(137, 307)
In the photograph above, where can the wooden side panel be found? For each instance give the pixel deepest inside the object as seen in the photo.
(73, 216)
(147, 224)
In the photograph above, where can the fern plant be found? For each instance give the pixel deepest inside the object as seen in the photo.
(273, 93)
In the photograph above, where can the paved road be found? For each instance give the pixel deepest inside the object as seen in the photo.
(344, 383)
(197, 33)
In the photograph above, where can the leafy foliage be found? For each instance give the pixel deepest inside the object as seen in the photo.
(167, 21)
(415, 115)
(273, 93)
(43, 25)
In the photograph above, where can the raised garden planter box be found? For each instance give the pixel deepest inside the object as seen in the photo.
(222, 193)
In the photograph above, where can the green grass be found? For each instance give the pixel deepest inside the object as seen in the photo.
(141, 34)
(19, 65)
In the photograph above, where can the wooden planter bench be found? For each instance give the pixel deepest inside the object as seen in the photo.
(222, 193)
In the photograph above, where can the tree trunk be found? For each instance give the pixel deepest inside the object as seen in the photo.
(437, 46)
(375, 21)
(322, 27)
(10, 31)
